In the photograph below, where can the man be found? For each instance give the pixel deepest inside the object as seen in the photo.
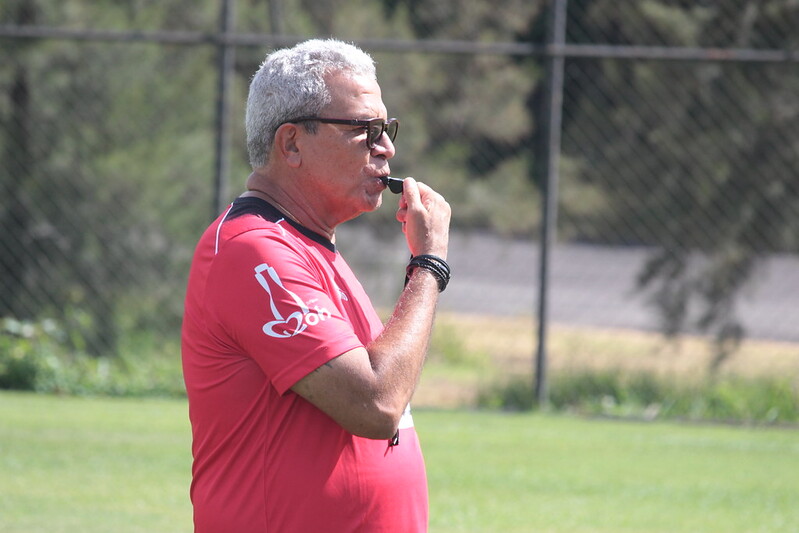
(298, 394)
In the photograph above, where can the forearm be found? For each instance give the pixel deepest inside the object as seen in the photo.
(367, 389)
(398, 354)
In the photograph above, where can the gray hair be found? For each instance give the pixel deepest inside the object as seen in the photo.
(291, 83)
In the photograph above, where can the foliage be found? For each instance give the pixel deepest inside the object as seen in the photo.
(107, 149)
(93, 164)
(647, 396)
(39, 356)
(26, 353)
(700, 167)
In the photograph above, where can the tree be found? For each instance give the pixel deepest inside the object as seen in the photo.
(19, 162)
(695, 159)
(92, 158)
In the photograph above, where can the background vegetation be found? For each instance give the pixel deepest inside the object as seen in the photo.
(107, 173)
(612, 373)
(106, 152)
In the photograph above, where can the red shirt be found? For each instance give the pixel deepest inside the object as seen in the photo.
(269, 301)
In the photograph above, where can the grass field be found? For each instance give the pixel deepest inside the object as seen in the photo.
(121, 465)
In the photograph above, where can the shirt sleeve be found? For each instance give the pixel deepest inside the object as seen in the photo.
(274, 302)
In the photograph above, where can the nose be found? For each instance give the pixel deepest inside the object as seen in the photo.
(384, 147)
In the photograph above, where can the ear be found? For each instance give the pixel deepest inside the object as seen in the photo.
(286, 146)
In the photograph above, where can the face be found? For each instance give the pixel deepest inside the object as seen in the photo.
(343, 174)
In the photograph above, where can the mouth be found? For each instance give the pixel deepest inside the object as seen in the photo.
(394, 184)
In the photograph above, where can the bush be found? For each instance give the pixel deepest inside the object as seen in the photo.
(36, 356)
(513, 395)
(642, 395)
(28, 353)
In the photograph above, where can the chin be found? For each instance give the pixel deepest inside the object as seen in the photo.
(373, 202)
(368, 205)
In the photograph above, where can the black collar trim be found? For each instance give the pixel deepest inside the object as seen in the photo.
(256, 206)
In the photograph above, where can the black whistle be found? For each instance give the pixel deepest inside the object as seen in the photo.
(394, 184)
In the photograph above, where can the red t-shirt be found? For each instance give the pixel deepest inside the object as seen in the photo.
(269, 301)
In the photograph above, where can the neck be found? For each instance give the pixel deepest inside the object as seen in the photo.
(257, 192)
(262, 194)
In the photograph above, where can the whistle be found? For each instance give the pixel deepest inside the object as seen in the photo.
(394, 184)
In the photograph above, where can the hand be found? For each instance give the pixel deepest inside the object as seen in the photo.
(425, 217)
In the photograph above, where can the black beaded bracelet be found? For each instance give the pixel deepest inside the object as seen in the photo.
(434, 264)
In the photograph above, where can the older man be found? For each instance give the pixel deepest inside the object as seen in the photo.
(298, 394)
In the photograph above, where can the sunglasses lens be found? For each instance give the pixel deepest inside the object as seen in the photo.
(391, 129)
(375, 131)
(377, 127)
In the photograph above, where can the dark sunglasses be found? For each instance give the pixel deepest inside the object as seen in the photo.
(375, 127)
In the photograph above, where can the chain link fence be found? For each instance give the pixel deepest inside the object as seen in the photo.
(675, 194)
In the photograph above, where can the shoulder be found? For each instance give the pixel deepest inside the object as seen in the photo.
(254, 240)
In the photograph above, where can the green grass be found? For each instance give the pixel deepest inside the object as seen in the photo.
(89, 465)
(97, 465)
(521, 472)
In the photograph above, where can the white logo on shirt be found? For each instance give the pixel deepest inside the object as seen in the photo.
(291, 321)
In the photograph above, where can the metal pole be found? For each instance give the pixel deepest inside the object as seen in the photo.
(225, 63)
(556, 30)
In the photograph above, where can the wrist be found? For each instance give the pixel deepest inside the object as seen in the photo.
(434, 264)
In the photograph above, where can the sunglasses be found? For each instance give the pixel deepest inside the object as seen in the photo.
(375, 127)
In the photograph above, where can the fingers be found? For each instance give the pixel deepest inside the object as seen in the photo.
(410, 196)
(413, 197)
(425, 217)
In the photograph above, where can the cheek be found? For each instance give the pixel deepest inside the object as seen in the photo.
(354, 166)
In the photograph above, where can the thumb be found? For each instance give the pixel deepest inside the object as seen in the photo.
(411, 196)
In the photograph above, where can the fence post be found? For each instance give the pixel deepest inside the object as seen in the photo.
(225, 63)
(556, 37)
